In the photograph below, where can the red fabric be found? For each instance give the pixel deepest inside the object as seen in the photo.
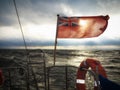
(81, 74)
(81, 27)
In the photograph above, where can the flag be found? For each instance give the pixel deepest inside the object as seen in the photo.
(81, 27)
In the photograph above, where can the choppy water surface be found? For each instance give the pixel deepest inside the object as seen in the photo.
(110, 60)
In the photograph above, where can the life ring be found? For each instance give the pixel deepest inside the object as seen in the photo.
(1, 78)
(81, 74)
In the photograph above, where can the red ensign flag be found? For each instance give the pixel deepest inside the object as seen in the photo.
(81, 27)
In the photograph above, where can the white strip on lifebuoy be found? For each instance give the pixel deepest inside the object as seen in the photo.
(95, 83)
(81, 73)
(80, 81)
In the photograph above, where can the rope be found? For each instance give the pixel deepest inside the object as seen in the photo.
(21, 29)
(28, 59)
(95, 75)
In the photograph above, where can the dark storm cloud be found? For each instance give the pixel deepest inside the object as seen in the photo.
(7, 13)
(7, 20)
(35, 11)
(32, 11)
(89, 42)
(110, 42)
(9, 43)
(20, 43)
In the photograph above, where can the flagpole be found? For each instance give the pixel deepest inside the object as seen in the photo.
(56, 41)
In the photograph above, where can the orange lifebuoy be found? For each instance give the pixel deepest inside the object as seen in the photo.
(81, 74)
(1, 77)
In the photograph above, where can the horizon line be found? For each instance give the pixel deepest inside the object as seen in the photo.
(83, 47)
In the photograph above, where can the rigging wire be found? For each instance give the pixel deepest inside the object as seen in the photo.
(21, 29)
(26, 49)
(27, 53)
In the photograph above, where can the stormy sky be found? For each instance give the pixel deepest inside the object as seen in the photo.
(39, 18)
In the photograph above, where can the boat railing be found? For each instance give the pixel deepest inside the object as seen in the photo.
(14, 78)
(40, 77)
(55, 77)
(61, 77)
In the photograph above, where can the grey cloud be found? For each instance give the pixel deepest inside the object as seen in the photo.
(7, 13)
(39, 11)
(8, 20)
(19, 43)
(45, 11)
(110, 42)
(109, 6)
(89, 42)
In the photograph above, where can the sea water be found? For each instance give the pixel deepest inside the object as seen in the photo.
(110, 60)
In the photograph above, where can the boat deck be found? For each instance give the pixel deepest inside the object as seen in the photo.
(35, 75)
